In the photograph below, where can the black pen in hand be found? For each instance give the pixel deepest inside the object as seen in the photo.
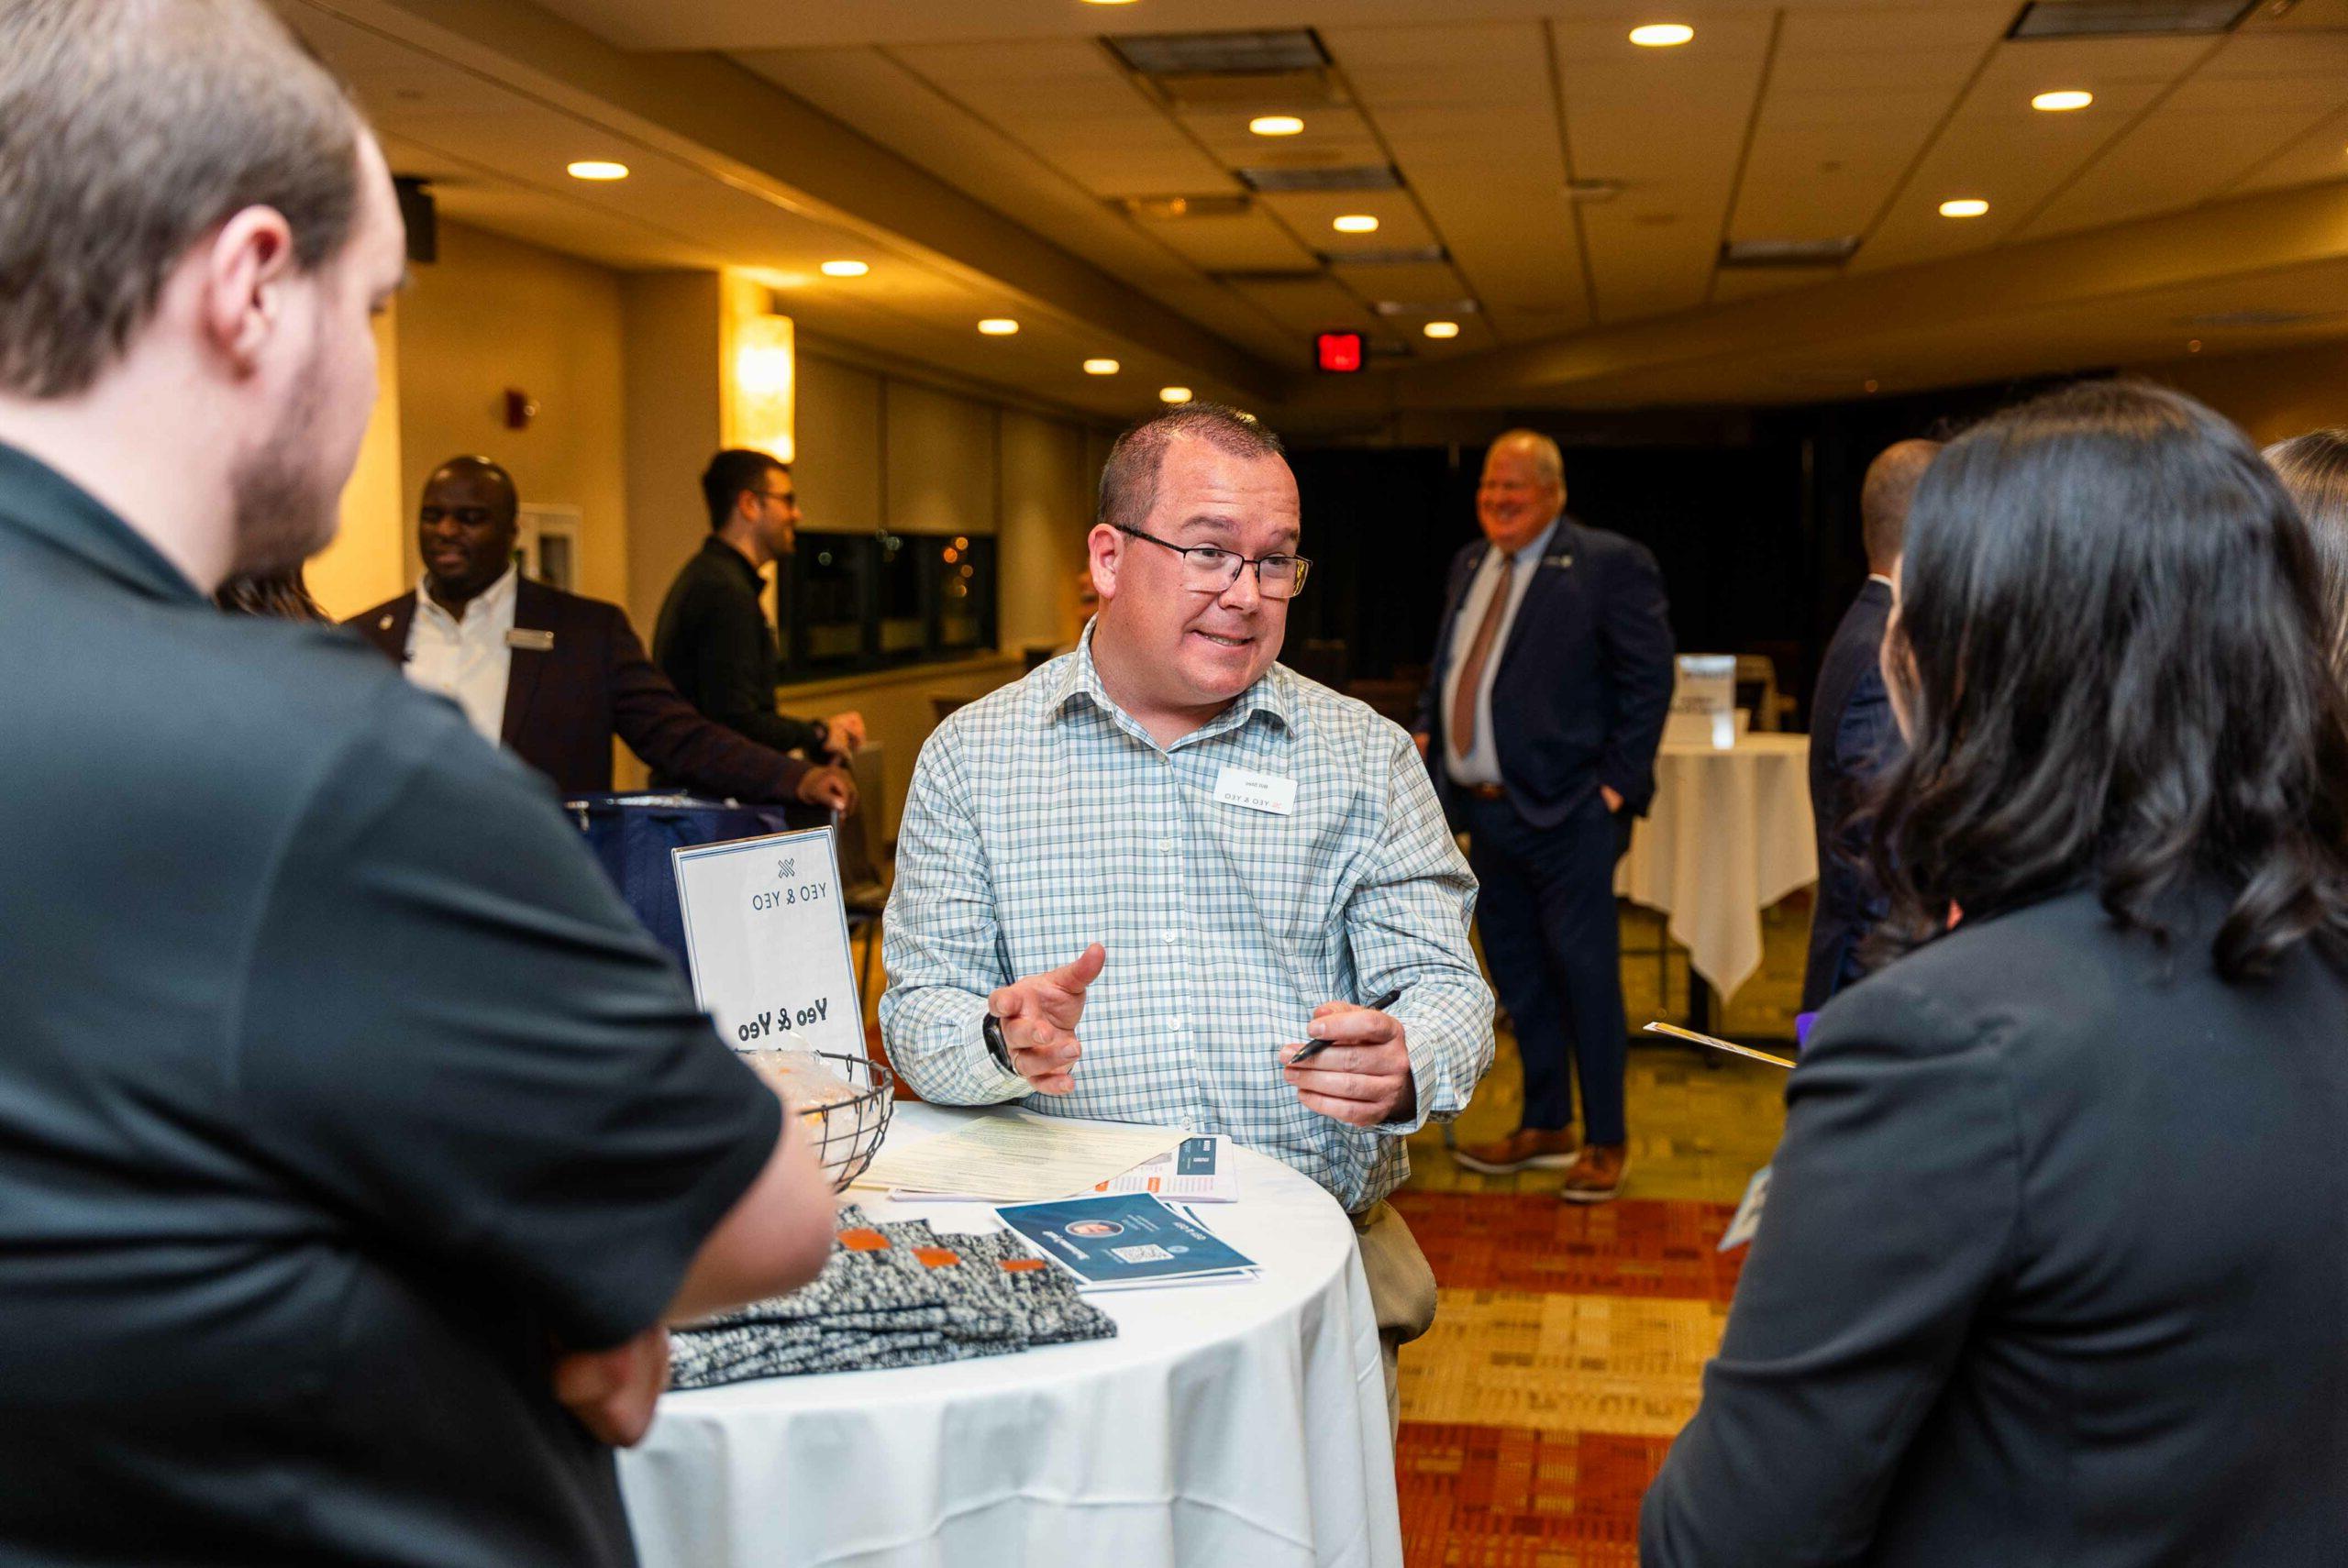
(1314, 1047)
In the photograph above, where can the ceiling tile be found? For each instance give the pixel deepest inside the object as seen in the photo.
(1671, 124)
(1444, 98)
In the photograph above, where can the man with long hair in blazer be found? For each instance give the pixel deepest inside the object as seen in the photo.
(1551, 679)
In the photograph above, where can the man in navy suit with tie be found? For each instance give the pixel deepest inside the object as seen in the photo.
(1851, 732)
(1552, 678)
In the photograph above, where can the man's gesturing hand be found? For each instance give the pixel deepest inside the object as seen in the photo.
(1039, 1016)
(1364, 1078)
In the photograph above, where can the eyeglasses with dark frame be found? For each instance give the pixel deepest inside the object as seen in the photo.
(1211, 569)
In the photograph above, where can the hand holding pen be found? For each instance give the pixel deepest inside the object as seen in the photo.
(1356, 1069)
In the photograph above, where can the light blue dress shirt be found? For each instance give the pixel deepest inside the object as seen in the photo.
(1482, 763)
(1043, 818)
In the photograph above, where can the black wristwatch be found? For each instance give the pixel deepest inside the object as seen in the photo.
(823, 734)
(997, 1046)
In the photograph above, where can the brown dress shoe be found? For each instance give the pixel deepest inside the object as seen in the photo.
(1596, 1173)
(1527, 1148)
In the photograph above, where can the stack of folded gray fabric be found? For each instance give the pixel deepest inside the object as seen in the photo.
(893, 1295)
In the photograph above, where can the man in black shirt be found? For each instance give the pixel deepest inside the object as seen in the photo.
(712, 640)
(357, 1142)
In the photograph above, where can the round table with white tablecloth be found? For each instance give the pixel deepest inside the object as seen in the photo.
(1729, 835)
(1226, 1424)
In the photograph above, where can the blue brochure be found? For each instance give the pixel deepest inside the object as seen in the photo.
(1126, 1239)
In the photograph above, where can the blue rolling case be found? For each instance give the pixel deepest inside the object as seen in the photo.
(631, 837)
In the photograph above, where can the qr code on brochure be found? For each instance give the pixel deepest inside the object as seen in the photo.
(1146, 1253)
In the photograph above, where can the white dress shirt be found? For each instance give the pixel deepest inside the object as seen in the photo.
(469, 659)
(1482, 763)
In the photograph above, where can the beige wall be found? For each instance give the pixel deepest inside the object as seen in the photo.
(673, 325)
(837, 475)
(1046, 505)
(2272, 395)
(492, 313)
(368, 561)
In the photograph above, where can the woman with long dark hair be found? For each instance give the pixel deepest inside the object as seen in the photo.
(2054, 1264)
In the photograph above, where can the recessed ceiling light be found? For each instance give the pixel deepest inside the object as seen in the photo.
(846, 269)
(1108, 1)
(1276, 124)
(1173, 394)
(1441, 329)
(2056, 103)
(998, 326)
(1355, 223)
(1662, 35)
(1964, 206)
(598, 168)
(1101, 367)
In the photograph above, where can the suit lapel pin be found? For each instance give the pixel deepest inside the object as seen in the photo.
(385, 624)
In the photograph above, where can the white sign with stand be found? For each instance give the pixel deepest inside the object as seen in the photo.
(766, 938)
(1704, 702)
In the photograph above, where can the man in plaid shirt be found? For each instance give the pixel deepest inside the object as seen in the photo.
(1135, 884)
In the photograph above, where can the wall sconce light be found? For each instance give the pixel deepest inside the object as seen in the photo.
(761, 378)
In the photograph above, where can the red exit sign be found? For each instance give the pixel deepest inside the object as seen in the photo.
(1339, 353)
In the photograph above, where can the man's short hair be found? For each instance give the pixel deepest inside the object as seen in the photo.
(1549, 462)
(730, 473)
(128, 130)
(1129, 478)
(1886, 495)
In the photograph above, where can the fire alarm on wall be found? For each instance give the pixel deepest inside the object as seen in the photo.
(520, 409)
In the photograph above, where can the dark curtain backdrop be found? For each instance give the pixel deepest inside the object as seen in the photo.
(1759, 541)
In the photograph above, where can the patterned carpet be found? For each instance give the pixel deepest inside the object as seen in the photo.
(1569, 1341)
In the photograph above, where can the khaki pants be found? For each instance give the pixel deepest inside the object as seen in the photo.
(1401, 1291)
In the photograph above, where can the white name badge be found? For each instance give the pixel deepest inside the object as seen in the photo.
(766, 939)
(1257, 792)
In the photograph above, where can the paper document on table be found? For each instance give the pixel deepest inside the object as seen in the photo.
(1018, 1157)
(1198, 1171)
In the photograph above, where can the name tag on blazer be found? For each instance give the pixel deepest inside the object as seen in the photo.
(530, 639)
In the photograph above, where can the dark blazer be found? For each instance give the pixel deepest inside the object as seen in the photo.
(1852, 737)
(2054, 1270)
(1584, 682)
(564, 705)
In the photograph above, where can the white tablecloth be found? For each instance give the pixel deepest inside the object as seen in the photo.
(1238, 1426)
(1728, 836)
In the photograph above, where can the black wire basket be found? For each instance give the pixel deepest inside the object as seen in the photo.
(846, 1131)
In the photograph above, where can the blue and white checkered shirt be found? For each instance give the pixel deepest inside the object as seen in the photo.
(1043, 818)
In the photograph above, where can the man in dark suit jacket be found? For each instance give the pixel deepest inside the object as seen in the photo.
(1551, 679)
(1851, 733)
(552, 676)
